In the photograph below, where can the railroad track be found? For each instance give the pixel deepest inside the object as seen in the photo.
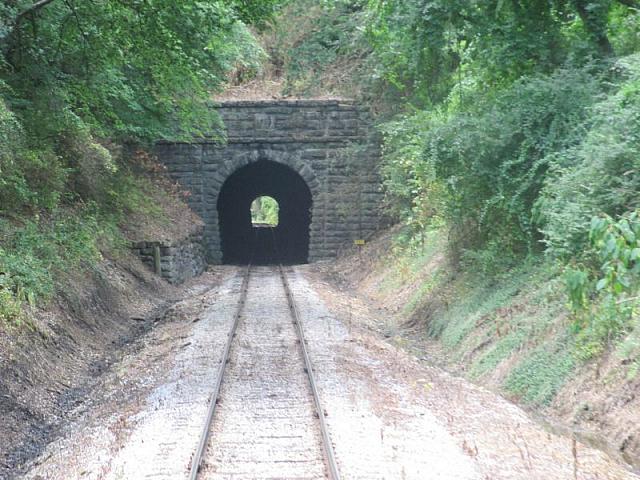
(265, 419)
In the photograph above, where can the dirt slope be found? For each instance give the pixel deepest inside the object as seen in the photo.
(50, 363)
(413, 301)
(48, 369)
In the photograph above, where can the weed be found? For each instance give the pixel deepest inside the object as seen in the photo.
(538, 378)
(33, 254)
(501, 350)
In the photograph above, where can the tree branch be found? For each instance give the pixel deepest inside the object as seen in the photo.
(630, 3)
(33, 8)
(596, 25)
(83, 34)
(5, 45)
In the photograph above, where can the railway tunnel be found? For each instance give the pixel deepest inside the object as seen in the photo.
(317, 158)
(241, 241)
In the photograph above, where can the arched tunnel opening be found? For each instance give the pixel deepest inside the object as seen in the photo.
(242, 241)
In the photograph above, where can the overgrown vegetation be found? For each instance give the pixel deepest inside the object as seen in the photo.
(81, 83)
(318, 48)
(512, 128)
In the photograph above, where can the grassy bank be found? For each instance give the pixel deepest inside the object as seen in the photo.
(515, 332)
(41, 248)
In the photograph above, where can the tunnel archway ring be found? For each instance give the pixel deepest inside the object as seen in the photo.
(290, 160)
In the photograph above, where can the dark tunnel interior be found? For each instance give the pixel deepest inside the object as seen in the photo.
(242, 243)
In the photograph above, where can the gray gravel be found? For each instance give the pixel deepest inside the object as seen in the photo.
(265, 425)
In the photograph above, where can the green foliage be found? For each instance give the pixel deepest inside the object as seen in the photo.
(32, 255)
(243, 53)
(617, 244)
(126, 69)
(318, 46)
(255, 11)
(78, 80)
(75, 73)
(10, 306)
(513, 124)
(500, 97)
(577, 284)
(28, 177)
(511, 107)
(624, 27)
(425, 48)
(409, 255)
(413, 191)
(538, 377)
(426, 51)
(603, 297)
(265, 210)
(598, 175)
(483, 168)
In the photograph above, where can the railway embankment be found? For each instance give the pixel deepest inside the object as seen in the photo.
(54, 356)
(511, 333)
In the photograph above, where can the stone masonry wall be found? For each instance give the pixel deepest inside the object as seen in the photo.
(329, 143)
(178, 261)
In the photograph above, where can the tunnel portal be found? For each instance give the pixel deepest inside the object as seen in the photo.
(244, 243)
(321, 155)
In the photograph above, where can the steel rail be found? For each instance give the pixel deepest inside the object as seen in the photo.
(198, 456)
(330, 459)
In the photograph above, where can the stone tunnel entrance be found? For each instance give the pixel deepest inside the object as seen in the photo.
(241, 241)
(306, 154)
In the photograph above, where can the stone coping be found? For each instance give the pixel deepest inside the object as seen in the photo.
(287, 103)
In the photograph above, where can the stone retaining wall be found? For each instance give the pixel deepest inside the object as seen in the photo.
(177, 261)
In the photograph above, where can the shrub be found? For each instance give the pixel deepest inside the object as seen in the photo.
(602, 296)
(412, 190)
(319, 46)
(34, 254)
(482, 168)
(601, 174)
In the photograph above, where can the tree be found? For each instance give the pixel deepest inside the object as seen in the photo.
(129, 68)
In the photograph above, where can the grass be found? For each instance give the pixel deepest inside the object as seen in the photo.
(517, 316)
(540, 375)
(475, 300)
(34, 252)
(425, 288)
(409, 261)
(501, 350)
(629, 350)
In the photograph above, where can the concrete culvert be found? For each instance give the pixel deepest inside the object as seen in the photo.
(242, 241)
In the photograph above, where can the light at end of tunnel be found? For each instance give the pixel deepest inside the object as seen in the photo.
(265, 211)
